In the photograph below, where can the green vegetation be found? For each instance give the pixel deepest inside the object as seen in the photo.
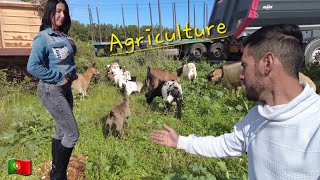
(26, 127)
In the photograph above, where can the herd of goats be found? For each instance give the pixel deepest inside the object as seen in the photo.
(161, 83)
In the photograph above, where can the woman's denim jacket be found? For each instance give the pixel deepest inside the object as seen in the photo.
(52, 57)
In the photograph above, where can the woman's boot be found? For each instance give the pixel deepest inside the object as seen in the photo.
(54, 149)
(61, 164)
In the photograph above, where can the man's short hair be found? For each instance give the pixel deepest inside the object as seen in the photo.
(285, 41)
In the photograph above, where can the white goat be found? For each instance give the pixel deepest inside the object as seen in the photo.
(189, 70)
(131, 86)
(114, 67)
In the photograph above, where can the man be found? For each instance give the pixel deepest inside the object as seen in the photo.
(281, 135)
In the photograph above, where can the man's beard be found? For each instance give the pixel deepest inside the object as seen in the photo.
(254, 91)
(252, 94)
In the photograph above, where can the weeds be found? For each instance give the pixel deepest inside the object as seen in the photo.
(26, 127)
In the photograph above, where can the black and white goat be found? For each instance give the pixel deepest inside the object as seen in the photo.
(172, 92)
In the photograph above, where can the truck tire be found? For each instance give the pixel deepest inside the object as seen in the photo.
(96, 50)
(217, 52)
(108, 52)
(312, 53)
(197, 51)
(129, 49)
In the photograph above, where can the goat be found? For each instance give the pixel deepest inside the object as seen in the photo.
(127, 75)
(229, 76)
(116, 119)
(155, 80)
(133, 86)
(172, 91)
(81, 84)
(189, 70)
(304, 78)
(118, 76)
(110, 76)
(114, 67)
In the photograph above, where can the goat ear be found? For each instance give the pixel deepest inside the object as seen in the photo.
(148, 69)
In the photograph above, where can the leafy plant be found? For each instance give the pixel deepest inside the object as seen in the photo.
(27, 127)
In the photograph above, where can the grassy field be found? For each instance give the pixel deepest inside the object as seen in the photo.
(26, 127)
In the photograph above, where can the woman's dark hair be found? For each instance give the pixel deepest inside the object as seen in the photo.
(49, 12)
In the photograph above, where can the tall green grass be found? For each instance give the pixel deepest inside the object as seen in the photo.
(26, 127)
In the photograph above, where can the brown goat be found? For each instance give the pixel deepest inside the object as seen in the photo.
(155, 79)
(116, 119)
(156, 76)
(81, 84)
(229, 76)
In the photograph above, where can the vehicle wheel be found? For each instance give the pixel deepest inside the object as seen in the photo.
(96, 50)
(217, 52)
(183, 51)
(108, 52)
(312, 53)
(197, 51)
(129, 49)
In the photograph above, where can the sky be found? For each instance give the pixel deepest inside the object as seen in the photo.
(110, 11)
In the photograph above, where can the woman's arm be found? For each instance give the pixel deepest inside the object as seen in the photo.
(36, 63)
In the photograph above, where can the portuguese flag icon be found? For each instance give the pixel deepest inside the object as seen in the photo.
(18, 166)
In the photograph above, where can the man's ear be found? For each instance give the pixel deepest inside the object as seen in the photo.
(269, 60)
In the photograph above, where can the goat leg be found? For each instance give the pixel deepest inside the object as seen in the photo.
(238, 89)
(167, 107)
(179, 107)
(119, 128)
(106, 130)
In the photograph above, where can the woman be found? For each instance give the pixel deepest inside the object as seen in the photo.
(52, 61)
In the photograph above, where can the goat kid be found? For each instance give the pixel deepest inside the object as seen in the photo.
(189, 70)
(81, 84)
(116, 119)
(229, 76)
(133, 86)
(114, 67)
(119, 78)
(155, 79)
(172, 92)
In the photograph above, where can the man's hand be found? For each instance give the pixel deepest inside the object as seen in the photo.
(167, 137)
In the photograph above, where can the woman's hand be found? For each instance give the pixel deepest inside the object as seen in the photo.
(167, 137)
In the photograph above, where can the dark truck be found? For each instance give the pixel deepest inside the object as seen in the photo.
(244, 18)
(241, 18)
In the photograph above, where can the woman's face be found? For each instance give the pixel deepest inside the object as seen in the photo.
(59, 16)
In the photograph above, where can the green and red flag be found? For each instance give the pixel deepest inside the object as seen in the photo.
(18, 166)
